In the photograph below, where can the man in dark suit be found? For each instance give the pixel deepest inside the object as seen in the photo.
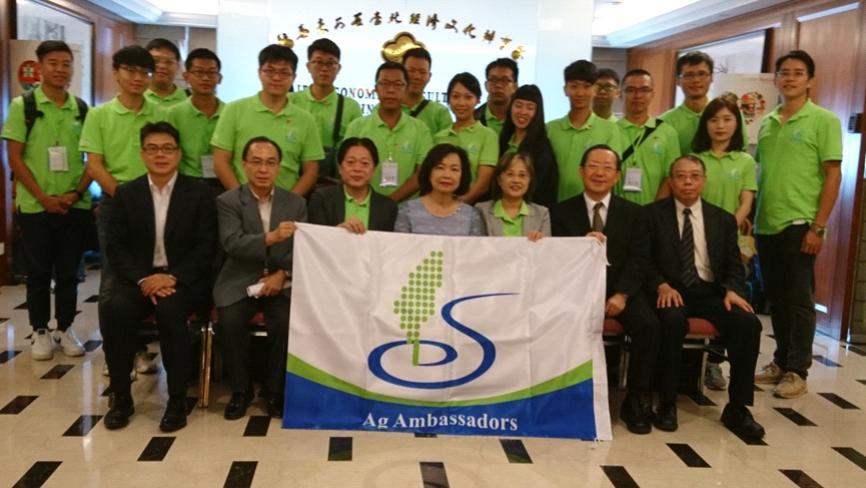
(161, 239)
(620, 224)
(354, 205)
(256, 224)
(696, 271)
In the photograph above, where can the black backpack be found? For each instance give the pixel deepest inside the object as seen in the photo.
(31, 113)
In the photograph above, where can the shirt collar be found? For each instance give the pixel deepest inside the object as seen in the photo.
(147, 107)
(804, 111)
(220, 105)
(499, 210)
(566, 123)
(590, 203)
(259, 199)
(696, 208)
(351, 199)
(650, 122)
(41, 98)
(260, 107)
(308, 92)
(168, 186)
(381, 123)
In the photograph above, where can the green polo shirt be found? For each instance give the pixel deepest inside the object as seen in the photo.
(653, 156)
(407, 144)
(791, 156)
(435, 115)
(114, 131)
(569, 143)
(58, 126)
(686, 122)
(728, 176)
(511, 227)
(173, 98)
(492, 121)
(196, 130)
(360, 211)
(324, 112)
(479, 142)
(292, 128)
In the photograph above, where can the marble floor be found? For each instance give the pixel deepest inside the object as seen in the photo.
(51, 435)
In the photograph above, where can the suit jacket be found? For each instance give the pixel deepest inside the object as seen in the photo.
(720, 230)
(189, 237)
(537, 219)
(243, 239)
(328, 207)
(627, 240)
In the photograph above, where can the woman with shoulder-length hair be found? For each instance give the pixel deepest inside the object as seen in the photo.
(511, 213)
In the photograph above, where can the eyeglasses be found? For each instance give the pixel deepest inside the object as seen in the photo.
(643, 90)
(797, 73)
(259, 163)
(136, 70)
(204, 74)
(605, 87)
(153, 149)
(392, 85)
(325, 64)
(277, 73)
(594, 168)
(495, 80)
(688, 176)
(700, 75)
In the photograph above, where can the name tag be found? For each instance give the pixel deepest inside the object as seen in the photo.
(207, 166)
(57, 160)
(390, 173)
(633, 180)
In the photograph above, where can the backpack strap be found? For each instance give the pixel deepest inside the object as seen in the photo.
(421, 106)
(338, 119)
(31, 113)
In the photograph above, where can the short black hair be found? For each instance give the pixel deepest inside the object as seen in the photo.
(636, 72)
(325, 45)
(47, 47)
(258, 139)
(693, 58)
(503, 165)
(581, 70)
(418, 52)
(799, 55)
(506, 63)
(702, 141)
(160, 43)
(392, 65)
(434, 157)
(275, 52)
(608, 73)
(134, 55)
(688, 157)
(161, 127)
(604, 147)
(364, 142)
(468, 80)
(201, 53)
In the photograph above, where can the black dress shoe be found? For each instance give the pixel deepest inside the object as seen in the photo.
(740, 421)
(666, 417)
(275, 406)
(237, 406)
(175, 415)
(120, 411)
(635, 416)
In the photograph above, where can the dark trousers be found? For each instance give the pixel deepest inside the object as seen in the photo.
(129, 307)
(52, 247)
(233, 335)
(740, 332)
(642, 326)
(107, 277)
(789, 281)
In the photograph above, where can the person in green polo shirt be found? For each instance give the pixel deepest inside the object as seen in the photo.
(418, 62)
(110, 137)
(800, 153)
(479, 142)
(580, 129)
(402, 141)
(511, 213)
(51, 199)
(501, 75)
(323, 102)
(651, 145)
(166, 58)
(196, 117)
(606, 93)
(270, 113)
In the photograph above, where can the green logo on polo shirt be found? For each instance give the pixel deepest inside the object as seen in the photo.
(290, 137)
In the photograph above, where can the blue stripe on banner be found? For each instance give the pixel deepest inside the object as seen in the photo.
(566, 413)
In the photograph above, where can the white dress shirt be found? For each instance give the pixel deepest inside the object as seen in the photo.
(702, 256)
(161, 198)
(265, 206)
(590, 205)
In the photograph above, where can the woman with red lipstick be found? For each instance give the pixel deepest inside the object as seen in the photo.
(444, 176)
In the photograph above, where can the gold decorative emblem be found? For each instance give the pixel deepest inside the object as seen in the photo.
(394, 49)
(285, 40)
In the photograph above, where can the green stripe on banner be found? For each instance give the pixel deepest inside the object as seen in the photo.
(306, 370)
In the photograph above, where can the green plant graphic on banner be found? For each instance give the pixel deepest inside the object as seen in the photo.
(417, 300)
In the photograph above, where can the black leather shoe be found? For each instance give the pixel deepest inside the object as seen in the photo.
(740, 421)
(635, 416)
(666, 417)
(275, 406)
(120, 411)
(175, 415)
(237, 406)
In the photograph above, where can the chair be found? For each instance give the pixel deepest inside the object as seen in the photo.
(257, 328)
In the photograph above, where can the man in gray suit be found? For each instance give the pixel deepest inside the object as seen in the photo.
(256, 274)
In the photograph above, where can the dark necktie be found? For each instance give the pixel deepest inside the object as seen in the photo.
(687, 250)
(597, 223)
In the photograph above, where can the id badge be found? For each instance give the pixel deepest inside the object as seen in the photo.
(390, 173)
(207, 166)
(57, 160)
(633, 180)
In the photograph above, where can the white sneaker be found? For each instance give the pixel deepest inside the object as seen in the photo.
(41, 345)
(69, 343)
(770, 374)
(132, 375)
(791, 386)
(143, 363)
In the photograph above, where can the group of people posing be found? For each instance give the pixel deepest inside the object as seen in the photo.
(200, 200)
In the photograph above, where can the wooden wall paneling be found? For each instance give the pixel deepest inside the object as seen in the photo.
(661, 64)
(7, 31)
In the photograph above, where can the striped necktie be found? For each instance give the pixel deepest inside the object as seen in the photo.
(687, 251)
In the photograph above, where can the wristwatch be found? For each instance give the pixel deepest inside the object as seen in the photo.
(819, 230)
